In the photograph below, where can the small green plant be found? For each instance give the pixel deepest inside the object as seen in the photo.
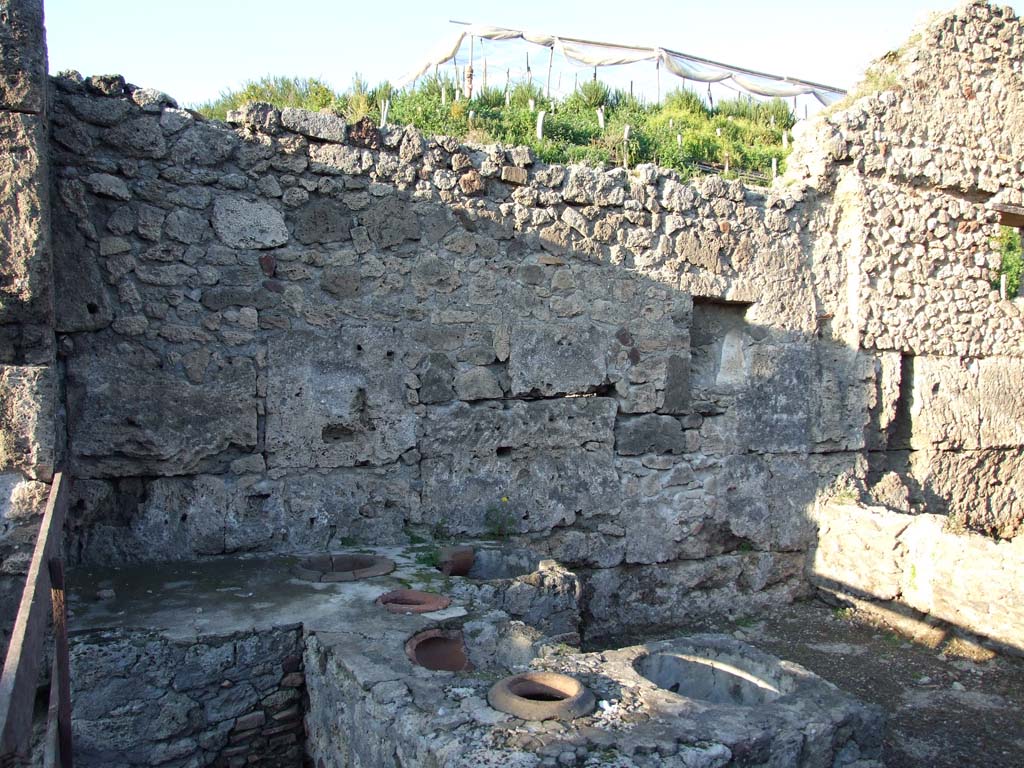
(844, 495)
(844, 614)
(685, 100)
(593, 94)
(499, 521)
(358, 101)
(1009, 246)
(415, 538)
(523, 92)
(876, 80)
(490, 97)
(431, 558)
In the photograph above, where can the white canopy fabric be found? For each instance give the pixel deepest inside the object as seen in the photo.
(594, 54)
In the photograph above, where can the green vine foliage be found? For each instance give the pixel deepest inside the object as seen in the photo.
(1009, 246)
(683, 132)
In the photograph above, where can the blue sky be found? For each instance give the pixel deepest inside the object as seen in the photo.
(193, 49)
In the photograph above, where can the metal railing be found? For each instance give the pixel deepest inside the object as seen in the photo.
(42, 597)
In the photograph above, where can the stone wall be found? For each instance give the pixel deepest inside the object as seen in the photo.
(969, 581)
(143, 699)
(307, 333)
(29, 382)
(290, 333)
(919, 167)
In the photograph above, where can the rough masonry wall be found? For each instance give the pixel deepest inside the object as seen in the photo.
(142, 699)
(916, 559)
(291, 333)
(29, 382)
(297, 333)
(917, 170)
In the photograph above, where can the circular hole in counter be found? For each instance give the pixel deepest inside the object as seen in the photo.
(541, 696)
(487, 563)
(343, 567)
(441, 650)
(718, 680)
(413, 601)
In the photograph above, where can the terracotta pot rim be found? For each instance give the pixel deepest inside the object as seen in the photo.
(542, 696)
(343, 566)
(429, 634)
(412, 601)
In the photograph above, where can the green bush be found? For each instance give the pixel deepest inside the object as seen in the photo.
(591, 94)
(491, 97)
(1009, 246)
(685, 100)
(305, 93)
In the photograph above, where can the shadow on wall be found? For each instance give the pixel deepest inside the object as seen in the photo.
(296, 336)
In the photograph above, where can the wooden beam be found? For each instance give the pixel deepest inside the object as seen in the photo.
(61, 680)
(51, 743)
(1010, 215)
(21, 668)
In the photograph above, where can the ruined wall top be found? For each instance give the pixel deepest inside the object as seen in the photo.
(944, 111)
(23, 65)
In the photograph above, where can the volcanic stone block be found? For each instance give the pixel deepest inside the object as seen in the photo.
(844, 387)
(944, 406)
(1001, 402)
(544, 490)
(980, 490)
(24, 221)
(775, 412)
(653, 595)
(27, 428)
(105, 112)
(204, 145)
(22, 56)
(857, 550)
(367, 504)
(175, 518)
(80, 292)
(323, 221)
(649, 434)
(390, 222)
(129, 416)
(139, 137)
(960, 578)
(677, 386)
(477, 383)
(338, 401)
(436, 379)
(559, 359)
(494, 429)
(145, 520)
(243, 224)
(317, 125)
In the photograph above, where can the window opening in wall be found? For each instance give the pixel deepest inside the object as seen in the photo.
(1011, 256)
(719, 338)
(902, 426)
